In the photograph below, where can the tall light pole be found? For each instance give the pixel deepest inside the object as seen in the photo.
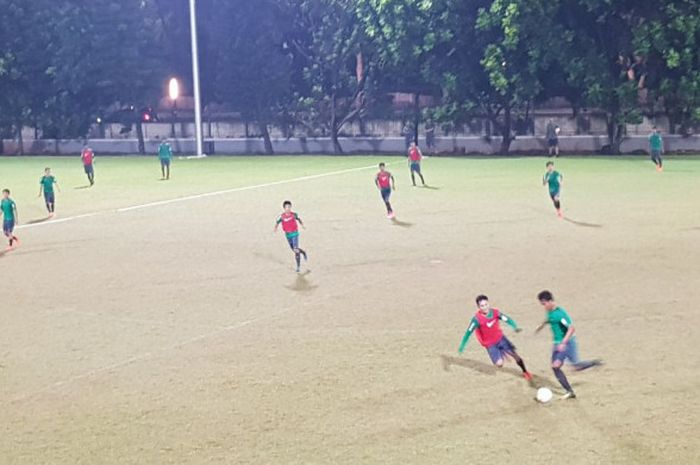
(173, 93)
(195, 80)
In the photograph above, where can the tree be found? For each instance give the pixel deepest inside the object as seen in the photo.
(253, 73)
(336, 58)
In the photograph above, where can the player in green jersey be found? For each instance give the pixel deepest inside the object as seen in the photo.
(656, 148)
(8, 209)
(46, 184)
(165, 155)
(553, 180)
(565, 347)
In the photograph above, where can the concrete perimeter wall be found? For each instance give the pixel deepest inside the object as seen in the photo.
(447, 145)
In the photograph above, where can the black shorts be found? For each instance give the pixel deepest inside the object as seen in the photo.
(553, 142)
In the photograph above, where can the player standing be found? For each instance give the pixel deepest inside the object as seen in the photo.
(486, 324)
(46, 184)
(554, 180)
(8, 209)
(385, 183)
(290, 225)
(656, 147)
(565, 347)
(414, 158)
(88, 156)
(165, 155)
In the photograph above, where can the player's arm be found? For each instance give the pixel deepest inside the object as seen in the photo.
(41, 188)
(277, 223)
(393, 183)
(545, 178)
(299, 220)
(14, 210)
(542, 325)
(561, 179)
(57, 186)
(420, 154)
(472, 326)
(510, 322)
(570, 330)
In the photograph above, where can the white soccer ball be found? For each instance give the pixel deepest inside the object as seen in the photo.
(544, 395)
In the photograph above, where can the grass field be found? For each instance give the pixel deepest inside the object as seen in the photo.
(178, 333)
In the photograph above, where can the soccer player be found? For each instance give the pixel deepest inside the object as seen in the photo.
(165, 154)
(385, 183)
(46, 184)
(414, 158)
(290, 225)
(554, 179)
(8, 209)
(552, 131)
(88, 156)
(565, 347)
(486, 324)
(656, 148)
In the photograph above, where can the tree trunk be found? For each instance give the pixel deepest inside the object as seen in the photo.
(266, 138)
(139, 135)
(506, 131)
(416, 116)
(615, 134)
(337, 149)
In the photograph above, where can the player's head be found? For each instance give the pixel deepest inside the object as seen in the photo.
(5, 193)
(413, 144)
(47, 170)
(382, 165)
(287, 205)
(655, 130)
(483, 303)
(550, 166)
(547, 300)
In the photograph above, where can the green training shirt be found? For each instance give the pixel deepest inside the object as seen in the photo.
(559, 321)
(8, 209)
(47, 182)
(656, 142)
(165, 152)
(553, 179)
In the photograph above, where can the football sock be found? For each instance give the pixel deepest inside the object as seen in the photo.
(413, 178)
(521, 364)
(561, 377)
(297, 257)
(421, 178)
(557, 204)
(388, 207)
(586, 364)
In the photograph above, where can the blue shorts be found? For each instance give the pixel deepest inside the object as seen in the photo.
(415, 167)
(386, 193)
(499, 350)
(165, 162)
(8, 226)
(49, 197)
(553, 142)
(554, 194)
(570, 354)
(89, 169)
(293, 241)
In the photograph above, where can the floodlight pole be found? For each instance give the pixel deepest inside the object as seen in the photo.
(195, 80)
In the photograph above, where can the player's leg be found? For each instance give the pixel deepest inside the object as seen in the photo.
(495, 355)
(418, 170)
(162, 168)
(576, 362)
(556, 200)
(508, 349)
(386, 195)
(557, 362)
(167, 169)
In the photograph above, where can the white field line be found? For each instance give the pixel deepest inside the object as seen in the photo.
(197, 196)
(146, 355)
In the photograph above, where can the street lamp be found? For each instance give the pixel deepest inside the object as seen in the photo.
(173, 93)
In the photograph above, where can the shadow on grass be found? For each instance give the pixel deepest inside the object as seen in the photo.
(83, 187)
(301, 284)
(583, 223)
(432, 188)
(37, 221)
(491, 370)
(403, 224)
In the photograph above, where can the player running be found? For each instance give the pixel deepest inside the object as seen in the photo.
(165, 155)
(486, 324)
(46, 184)
(290, 225)
(88, 156)
(656, 148)
(554, 179)
(565, 347)
(385, 183)
(414, 158)
(8, 209)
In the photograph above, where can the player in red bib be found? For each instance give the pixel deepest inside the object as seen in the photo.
(385, 183)
(414, 158)
(486, 324)
(290, 222)
(88, 157)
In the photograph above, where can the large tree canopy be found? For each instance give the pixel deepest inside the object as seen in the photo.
(319, 65)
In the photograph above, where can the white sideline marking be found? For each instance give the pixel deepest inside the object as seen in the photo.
(147, 355)
(244, 188)
(196, 196)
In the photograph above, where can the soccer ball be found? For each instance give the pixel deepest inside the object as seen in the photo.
(544, 395)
